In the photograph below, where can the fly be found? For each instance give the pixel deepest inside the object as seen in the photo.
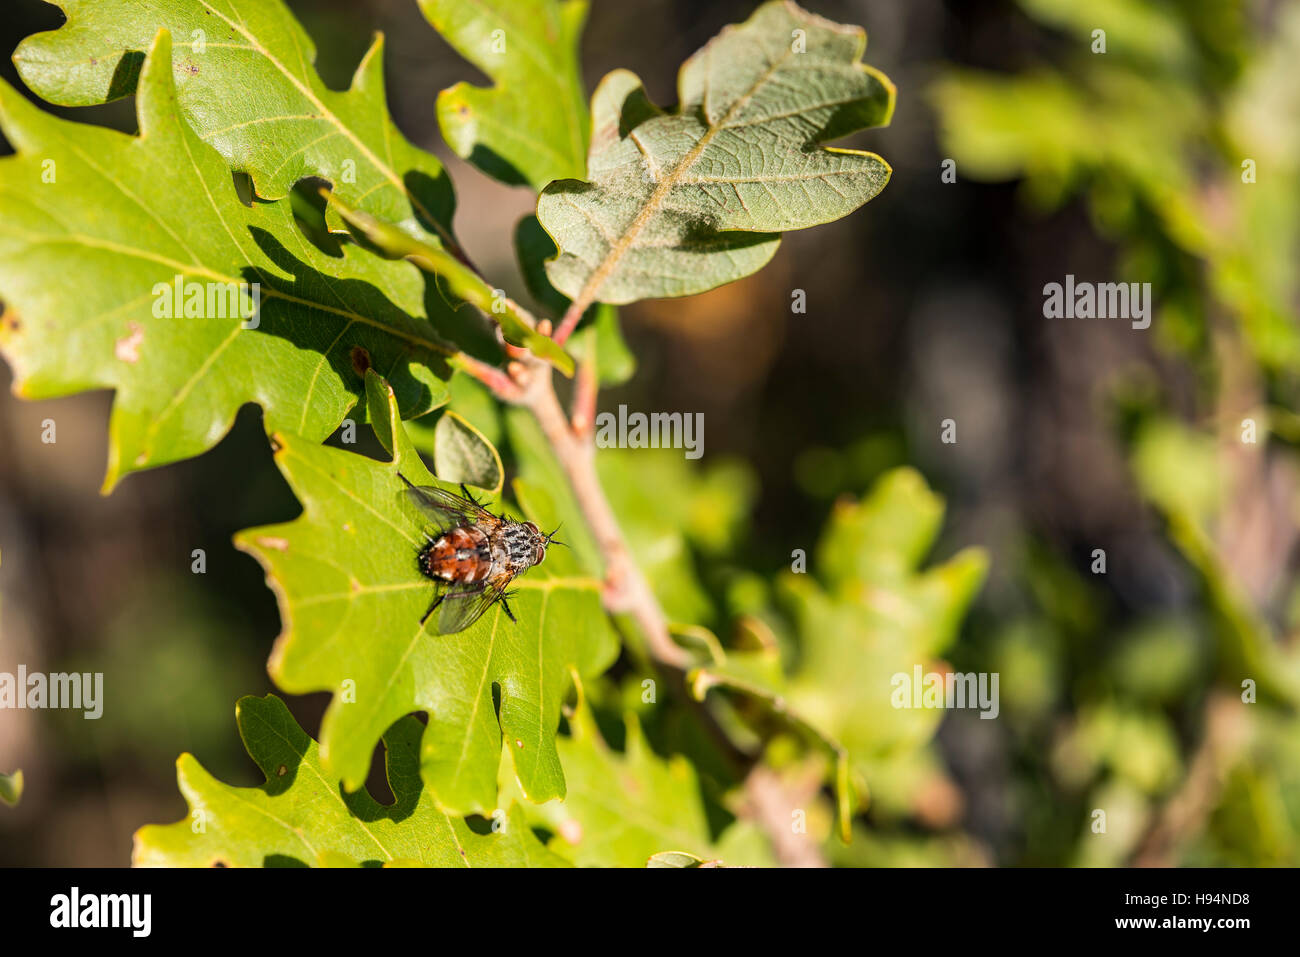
(472, 555)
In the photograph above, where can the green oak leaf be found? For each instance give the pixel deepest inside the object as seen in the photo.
(706, 511)
(246, 84)
(678, 859)
(461, 453)
(301, 817)
(531, 126)
(11, 788)
(624, 807)
(351, 599)
(131, 216)
(679, 203)
(867, 614)
(461, 281)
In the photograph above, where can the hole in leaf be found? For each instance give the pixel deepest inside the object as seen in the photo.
(309, 213)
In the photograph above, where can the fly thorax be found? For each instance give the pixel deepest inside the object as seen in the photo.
(521, 543)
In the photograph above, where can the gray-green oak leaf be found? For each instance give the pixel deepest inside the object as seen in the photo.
(301, 817)
(677, 203)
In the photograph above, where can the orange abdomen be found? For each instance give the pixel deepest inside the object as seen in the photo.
(463, 554)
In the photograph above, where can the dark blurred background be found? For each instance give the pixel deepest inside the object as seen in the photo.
(926, 305)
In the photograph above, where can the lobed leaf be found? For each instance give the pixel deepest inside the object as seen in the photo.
(869, 613)
(679, 203)
(530, 127)
(96, 230)
(462, 282)
(301, 817)
(292, 127)
(625, 807)
(351, 599)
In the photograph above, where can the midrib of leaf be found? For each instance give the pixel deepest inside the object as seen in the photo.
(327, 114)
(541, 669)
(478, 698)
(195, 269)
(587, 295)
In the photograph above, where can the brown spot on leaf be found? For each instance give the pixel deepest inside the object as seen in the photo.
(128, 347)
(219, 863)
(360, 360)
(270, 541)
(518, 743)
(282, 770)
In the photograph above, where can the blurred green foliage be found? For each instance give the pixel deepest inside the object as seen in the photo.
(1180, 138)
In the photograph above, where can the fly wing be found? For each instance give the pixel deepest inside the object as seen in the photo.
(446, 508)
(462, 605)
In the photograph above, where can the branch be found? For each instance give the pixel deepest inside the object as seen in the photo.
(626, 589)
(572, 316)
(771, 804)
(1184, 814)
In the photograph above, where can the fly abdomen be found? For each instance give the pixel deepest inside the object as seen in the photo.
(463, 554)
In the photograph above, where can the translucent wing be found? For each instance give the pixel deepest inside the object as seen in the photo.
(446, 508)
(462, 605)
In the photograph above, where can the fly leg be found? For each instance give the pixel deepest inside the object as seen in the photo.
(509, 614)
(436, 602)
(470, 498)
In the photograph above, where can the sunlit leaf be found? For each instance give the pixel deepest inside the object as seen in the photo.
(301, 817)
(867, 613)
(351, 598)
(679, 203)
(133, 217)
(531, 125)
(624, 807)
(246, 83)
